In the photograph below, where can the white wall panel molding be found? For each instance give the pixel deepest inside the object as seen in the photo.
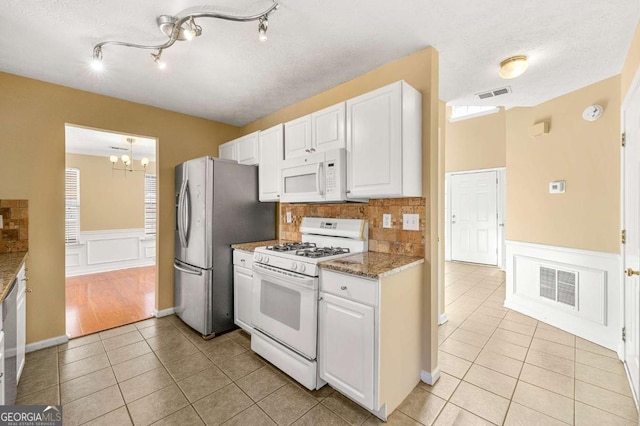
(109, 250)
(588, 304)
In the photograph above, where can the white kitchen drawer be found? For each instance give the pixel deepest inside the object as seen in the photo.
(243, 258)
(361, 290)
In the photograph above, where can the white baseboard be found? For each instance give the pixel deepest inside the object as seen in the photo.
(164, 312)
(430, 378)
(597, 313)
(442, 318)
(47, 343)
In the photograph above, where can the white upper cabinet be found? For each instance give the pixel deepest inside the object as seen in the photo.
(270, 154)
(328, 128)
(384, 139)
(248, 149)
(321, 131)
(228, 151)
(297, 136)
(244, 150)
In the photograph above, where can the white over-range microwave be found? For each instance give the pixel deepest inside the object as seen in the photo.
(316, 178)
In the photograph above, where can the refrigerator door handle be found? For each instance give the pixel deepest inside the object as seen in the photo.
(181, 195)
(187, 271)
(187, 213)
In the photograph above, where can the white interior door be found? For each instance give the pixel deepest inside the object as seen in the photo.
(631, 250)
(474, 217)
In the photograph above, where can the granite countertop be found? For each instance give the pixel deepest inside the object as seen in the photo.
(10, 264)
(250, 247)
(372, 264)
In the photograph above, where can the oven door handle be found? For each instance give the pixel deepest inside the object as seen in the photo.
(297, 280)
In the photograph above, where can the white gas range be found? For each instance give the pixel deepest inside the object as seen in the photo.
(285, 293)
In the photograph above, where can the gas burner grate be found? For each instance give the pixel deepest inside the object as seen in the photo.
(291, 247)
(316, 252)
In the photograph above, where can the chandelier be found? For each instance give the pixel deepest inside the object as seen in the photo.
(127, 159)
(184, 28)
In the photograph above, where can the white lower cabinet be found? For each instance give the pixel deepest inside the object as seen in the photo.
(242, 290)
(369, 336)
(346, 347)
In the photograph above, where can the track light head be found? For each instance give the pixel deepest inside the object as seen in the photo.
(263, 25)
(157, 58)
(96, 61)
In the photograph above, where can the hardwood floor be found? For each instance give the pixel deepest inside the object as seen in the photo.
(105, 300)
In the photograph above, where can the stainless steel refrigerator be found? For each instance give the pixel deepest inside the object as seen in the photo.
(216, 206)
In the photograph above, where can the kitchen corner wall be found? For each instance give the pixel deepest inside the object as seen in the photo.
(14, 235)
(385, 240)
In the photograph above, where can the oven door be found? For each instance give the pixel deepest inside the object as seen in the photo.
(302, 183)
(285, 307)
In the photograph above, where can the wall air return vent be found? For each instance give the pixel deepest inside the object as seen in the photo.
(558, 285)
(493, 93)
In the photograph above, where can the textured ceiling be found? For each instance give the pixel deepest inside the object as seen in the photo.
(229, 76)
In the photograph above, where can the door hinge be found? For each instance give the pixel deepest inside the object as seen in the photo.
(623, 237)
(623, 139)
(624, 334)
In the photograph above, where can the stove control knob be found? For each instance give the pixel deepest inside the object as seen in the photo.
(266, 259)
(259, 257)
(302, 267)
(294, 266)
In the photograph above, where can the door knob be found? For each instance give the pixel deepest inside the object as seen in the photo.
(631, 272)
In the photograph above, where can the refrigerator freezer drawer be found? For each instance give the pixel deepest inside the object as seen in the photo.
(193, 296)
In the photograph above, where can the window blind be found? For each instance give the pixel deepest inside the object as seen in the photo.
(72, 206)
(150, 209)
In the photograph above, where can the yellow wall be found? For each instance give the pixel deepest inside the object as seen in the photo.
(476, 143)
(631, 64)
(584, 154)
(32, 161)
(420, 70)
(109, 199)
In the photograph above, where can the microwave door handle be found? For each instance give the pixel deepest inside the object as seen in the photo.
(318, 180)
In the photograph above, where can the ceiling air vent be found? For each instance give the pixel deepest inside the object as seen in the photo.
(120, 148)
(494, 92)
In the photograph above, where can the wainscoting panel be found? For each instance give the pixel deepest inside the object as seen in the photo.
(110, 250)
(578, 291)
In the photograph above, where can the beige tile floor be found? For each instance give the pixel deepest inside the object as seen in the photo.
(498, 367)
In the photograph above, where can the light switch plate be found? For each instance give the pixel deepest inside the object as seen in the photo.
(386, 220)
(289, 219)
(410, 222)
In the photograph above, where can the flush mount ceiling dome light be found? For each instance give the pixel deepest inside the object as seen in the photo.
(184, 28)
(513, 67)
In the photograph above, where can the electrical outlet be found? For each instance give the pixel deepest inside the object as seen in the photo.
(1, 226)
(289, 219)
(386, 220)
(410, 222)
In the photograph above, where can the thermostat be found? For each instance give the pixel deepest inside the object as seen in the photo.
(556, 187)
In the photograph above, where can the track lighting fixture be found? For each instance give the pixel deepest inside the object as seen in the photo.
(184, 28)
(263, 25)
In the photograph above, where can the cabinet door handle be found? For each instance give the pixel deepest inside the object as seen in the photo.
(344, 287)
(307, 150)
(25, 279)
(29, 290)
(320, 298)
(312, 150)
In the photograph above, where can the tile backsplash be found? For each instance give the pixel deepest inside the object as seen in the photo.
(14, 235)
(386, 240)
